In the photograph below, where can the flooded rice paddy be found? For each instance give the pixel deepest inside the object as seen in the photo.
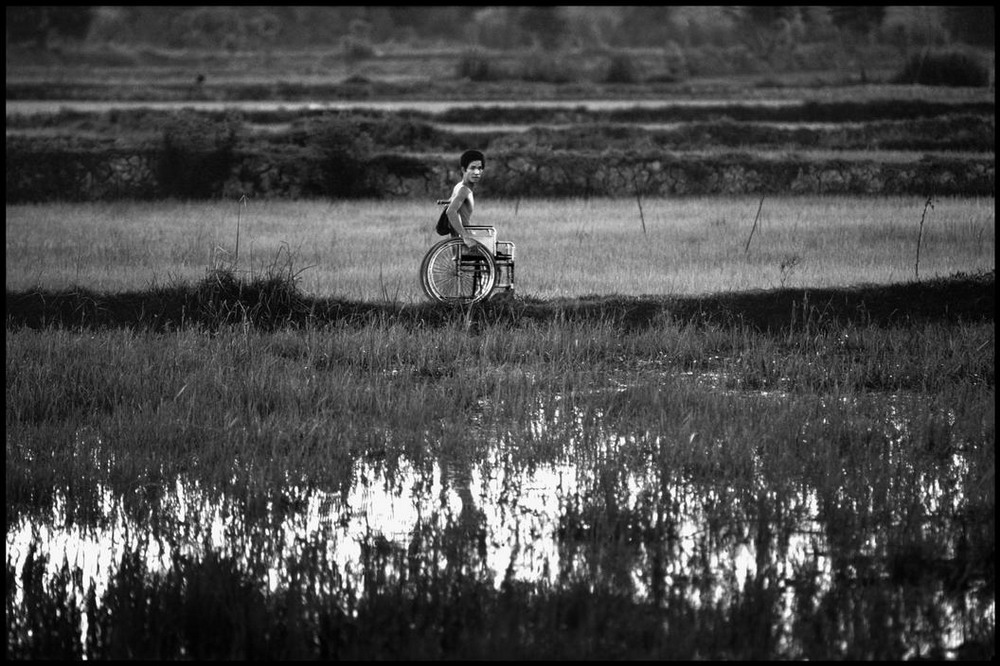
(586, 529)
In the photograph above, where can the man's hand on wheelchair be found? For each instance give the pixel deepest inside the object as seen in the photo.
(470, 242)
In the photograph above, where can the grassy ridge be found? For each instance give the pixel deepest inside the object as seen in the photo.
(871, 126)
(273, 301)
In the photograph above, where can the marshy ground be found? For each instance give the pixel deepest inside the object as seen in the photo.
(235, 469)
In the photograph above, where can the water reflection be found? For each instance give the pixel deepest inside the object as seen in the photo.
(774, 569)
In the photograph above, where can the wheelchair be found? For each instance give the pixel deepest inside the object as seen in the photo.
(454, 273)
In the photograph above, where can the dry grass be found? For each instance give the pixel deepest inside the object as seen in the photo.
(371, 250)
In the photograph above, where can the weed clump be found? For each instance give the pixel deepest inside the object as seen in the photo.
(267, 301)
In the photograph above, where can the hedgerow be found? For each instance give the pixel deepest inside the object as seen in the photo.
(68, 175)
(146, 154)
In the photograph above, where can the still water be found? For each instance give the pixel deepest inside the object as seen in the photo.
(32, 107)
(601, 529)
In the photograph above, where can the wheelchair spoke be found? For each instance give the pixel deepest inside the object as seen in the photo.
(448, 280)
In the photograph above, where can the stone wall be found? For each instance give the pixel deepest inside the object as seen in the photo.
(107, 175)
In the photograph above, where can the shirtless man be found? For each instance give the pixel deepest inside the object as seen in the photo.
(462, 202)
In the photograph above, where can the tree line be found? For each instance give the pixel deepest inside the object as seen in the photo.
(761, 28)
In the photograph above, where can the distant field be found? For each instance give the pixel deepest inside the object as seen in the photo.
(566, 248)
(281, 75)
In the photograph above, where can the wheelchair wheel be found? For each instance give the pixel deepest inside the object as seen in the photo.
(454, 273)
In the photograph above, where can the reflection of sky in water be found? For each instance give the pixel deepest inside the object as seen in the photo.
(521, 514)
(520, 511)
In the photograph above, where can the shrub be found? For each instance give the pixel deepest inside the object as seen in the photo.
(947, 68)
(198, 155)
(357, 44)
(545, 68)
(478, 67)
(622, 69)
(397, 132)
(344, 151)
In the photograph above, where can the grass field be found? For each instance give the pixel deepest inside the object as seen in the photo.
(565, 248)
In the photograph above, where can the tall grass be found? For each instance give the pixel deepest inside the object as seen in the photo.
(372, 249)
(737, 430)
(272, 402)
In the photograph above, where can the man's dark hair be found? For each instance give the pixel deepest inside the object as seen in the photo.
(470, 156)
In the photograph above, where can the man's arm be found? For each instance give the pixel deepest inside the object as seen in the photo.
(456, 219)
